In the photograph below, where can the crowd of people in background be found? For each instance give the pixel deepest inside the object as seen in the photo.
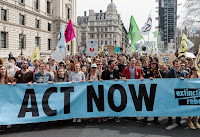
(80, 68)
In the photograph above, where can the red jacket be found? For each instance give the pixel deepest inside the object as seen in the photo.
(126, 73)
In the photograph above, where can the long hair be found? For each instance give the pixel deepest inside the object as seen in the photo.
(1, 61)
(57, 75)
(7, 78)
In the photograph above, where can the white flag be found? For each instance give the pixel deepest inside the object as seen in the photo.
(147, 26)
(61, 41)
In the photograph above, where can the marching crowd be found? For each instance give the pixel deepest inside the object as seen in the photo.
(82, 68)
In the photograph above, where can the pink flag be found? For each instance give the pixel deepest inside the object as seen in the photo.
(69, 32)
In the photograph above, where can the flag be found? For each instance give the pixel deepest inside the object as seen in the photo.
(134, 33)
(189, 44)
(69, 32)
(117, 49)
(193, 30)
(155, 33)
(183, 46)
(197, 63)
(36, 54)
(101, 49)
(61, 41)
(147, 26)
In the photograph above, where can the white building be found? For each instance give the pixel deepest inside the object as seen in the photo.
(28, 23)
(106, 26)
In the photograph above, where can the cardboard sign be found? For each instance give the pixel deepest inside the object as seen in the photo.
(111, 50)
(166, 59)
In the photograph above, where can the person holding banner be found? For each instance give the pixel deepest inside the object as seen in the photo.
(151, 73)
(175, 72)
(24, 75)
(60, 75)
(77, 75)
(131, 72)
(111, 74)
(93, 76)
(193, 122)
(43, 76)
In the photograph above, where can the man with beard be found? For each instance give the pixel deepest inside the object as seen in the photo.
(24, 75)
(111, 74)
(35, 68)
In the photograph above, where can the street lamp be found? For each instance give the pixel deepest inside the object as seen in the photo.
(21, 42)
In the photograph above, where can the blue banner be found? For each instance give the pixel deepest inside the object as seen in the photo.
(49, 102)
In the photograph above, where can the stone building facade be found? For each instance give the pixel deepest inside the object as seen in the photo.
(24, 24)
(106, 26)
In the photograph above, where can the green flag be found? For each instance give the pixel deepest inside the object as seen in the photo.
(134, 33)
(155, 33)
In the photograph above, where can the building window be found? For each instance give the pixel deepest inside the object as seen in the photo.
(36, 41)
(36, 4)
(101, 35)
(110, 42)
(49, 27)
(105, 35)
(3, 15)
(37, 23)
(21, 41)
(106, 43)
(92, 29)
(21, 19)
(49, 44)
(48, 7)
(3, 40)
(21, 1)
(101, 42)
(68, 13)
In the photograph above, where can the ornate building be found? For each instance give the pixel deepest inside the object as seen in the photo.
(106, 26)
(25, 24)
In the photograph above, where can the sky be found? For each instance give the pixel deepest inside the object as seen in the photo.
(140, 10)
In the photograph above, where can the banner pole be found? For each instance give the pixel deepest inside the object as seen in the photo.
(147, 45)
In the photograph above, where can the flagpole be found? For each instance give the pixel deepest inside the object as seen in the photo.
(147, 45)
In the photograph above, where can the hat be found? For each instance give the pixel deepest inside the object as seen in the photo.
(93, 66)
(12, 58)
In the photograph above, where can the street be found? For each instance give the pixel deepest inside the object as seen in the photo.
(104, 129)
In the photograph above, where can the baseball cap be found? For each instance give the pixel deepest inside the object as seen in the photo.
(93, 66)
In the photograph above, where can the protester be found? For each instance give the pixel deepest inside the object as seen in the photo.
(175, 72)
(122, 64)
(60, 75)
(193, 122)
(53, 65)
(93, 76)
(111, 74)
(4, 77)
(48, 69)
(24, 75)
(43, 76)
(151, 73)
(22, 59)
(77, 75)
(131, 72)
(84, 70)
(35, 67)
(12, 66)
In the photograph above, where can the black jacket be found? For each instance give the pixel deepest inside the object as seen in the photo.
(173, 74)
(106, 76)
